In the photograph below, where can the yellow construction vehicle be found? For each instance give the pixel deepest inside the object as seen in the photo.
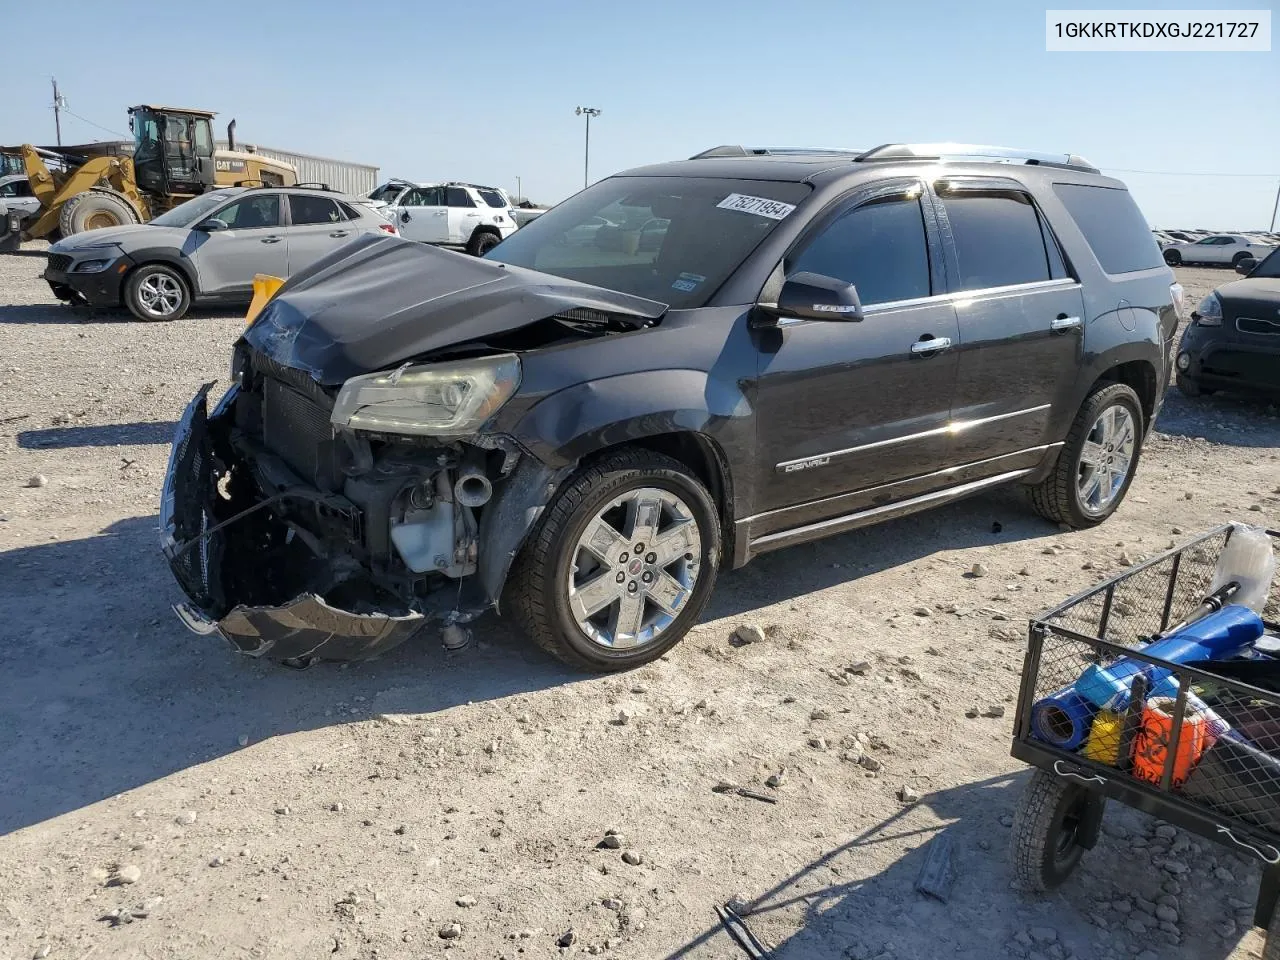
(172, 160)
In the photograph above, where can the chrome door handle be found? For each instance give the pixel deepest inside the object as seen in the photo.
(1062, 324)
(272, 239)
(339, 233)
(930, 346)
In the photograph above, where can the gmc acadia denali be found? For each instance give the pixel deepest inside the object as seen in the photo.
(679, 368)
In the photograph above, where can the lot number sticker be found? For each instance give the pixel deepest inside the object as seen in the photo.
(760, 206)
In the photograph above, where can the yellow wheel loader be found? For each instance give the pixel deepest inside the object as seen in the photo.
(108, 184)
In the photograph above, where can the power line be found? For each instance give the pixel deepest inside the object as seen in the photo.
(115, 133)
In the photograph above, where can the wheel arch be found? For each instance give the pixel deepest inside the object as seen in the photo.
(1140, 375)
(149, 258)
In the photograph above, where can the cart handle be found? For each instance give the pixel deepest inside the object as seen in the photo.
(1061, 770)
(1274, 859)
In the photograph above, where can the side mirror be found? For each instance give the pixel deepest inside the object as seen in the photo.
(812, 296)
(1246, 265)
(213, 225)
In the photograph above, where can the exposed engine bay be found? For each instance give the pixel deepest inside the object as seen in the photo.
(296, 541)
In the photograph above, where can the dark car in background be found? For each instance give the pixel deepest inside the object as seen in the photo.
(755, 349)
(1233, 341)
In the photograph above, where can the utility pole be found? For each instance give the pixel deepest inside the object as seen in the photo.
(519, 189)
(1275, 208)
(587, 112)
(58, 104)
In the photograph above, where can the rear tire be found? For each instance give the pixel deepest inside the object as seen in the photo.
(540, 589)
(155, 292)
(93, 210)
(1173, 258)
(482, 241)
(1059, 496)
(1238, 258)
(1046, 841)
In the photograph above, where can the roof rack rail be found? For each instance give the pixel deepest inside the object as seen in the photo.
(312, 185)
(733, 150)
(946, 151)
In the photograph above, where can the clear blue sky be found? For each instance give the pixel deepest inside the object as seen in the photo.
(486, 91)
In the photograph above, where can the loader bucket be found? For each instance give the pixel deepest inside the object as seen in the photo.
(265, 287)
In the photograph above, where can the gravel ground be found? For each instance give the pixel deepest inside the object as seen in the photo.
(162, 797)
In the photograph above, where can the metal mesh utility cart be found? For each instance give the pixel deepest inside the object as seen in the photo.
(1197, 746)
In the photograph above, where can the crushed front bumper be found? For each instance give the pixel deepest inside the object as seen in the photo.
(100, 288)
(193, 542)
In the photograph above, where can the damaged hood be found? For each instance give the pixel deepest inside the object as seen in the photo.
(381, 301)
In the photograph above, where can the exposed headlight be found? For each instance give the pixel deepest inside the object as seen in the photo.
(1184, 362)
(431, 399)
(91, 266)
(1209, 312)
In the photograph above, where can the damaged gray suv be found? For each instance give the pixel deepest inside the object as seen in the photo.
(675, 370)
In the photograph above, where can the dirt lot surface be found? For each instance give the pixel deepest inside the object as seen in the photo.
(161, 797)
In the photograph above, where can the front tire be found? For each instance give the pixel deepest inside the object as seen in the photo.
(1097, 462)
(94, 210)
(1049, 827)
(155, 292)
(1188, 387)
(621, 565)
(1173, 258)
(482, 241)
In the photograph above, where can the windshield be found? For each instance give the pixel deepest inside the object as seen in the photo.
(670, 239)
(193, 211)
(1268, 269)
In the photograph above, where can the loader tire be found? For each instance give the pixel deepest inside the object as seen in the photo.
(93, 210)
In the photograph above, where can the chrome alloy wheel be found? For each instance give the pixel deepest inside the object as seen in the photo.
(1106, 458)
(159, 295)
(634, 568)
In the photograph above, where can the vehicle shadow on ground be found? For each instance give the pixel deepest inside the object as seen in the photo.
(102, 691)
(78, 314)
(28, 253)
(795, 571)
(1240, 419)
(100, 435)
(838, 906)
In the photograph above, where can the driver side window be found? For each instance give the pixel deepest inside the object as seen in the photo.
(251, 212)
(879, 247)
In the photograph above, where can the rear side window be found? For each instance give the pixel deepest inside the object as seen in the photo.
(348, 211)
(305, 209)
(998, 240)
(492, 197)
(879, 247)
(458, 197)
(1113, 226)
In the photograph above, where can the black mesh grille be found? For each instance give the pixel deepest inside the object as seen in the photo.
(59, 262)
(1206, 736)
(295, 427)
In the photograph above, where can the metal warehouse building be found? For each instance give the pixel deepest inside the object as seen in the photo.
(356, 178)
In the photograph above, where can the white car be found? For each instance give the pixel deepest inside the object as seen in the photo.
(15, 193)
(1227, 249)
(465, 215)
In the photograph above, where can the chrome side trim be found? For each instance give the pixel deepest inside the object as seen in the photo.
(1015, 289)
(863, 517)
(959, 426)
(1044, 448)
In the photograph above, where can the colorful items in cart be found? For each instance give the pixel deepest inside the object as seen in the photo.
(1064, 719)
(1103, 745)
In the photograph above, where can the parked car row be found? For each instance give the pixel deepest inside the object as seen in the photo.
(1224, 249)
(1168, 238)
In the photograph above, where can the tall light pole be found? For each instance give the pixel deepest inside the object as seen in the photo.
(1274, 209)
(587, 112)
(519, 189)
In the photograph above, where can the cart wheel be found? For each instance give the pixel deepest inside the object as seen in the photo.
(1048, 830)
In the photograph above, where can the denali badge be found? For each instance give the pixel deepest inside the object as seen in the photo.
(806, 464)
